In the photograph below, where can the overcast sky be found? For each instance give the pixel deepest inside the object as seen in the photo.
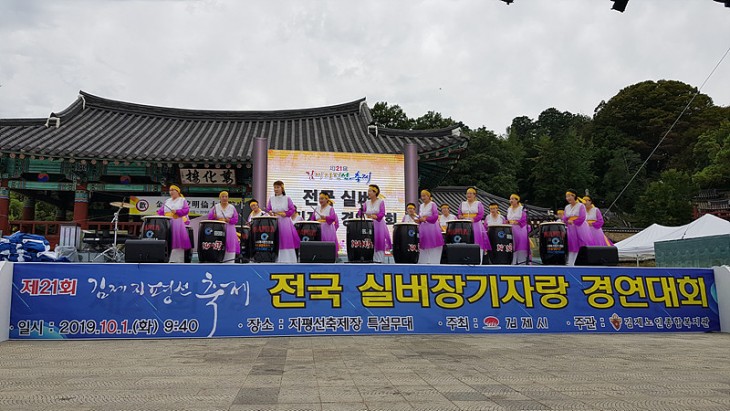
(479, 61)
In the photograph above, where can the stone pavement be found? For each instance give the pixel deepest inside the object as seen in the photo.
(492, 372)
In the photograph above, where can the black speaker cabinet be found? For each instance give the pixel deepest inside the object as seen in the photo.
(597, 255)
(145, 251)
(463, 254)
(317, 252)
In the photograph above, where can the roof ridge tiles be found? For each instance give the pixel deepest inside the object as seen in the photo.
(349, 108)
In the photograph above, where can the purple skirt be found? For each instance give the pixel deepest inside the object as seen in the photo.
(578, 236)
(519, 236)
(288, 237)
(330, 234)
(597, 237)
(180, 237)
(429, 236)
(480, 236)
(233, 245)
(382, 236)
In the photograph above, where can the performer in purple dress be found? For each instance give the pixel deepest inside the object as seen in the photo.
(411, 215)
(226, 212)
(430, 240)
(177, 207)
(594, 219)
(375, 209)
(472, 209)
(517, 217)
(282, 207)
(327, 217)
(574, 219)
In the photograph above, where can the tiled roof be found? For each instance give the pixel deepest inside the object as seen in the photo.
(98, 128)
(454, 196)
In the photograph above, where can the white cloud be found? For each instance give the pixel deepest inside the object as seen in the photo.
(479, 61)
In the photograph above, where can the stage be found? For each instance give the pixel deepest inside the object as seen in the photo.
(98, 301)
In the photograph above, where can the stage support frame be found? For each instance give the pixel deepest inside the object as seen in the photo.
(410, 153)
(260, 164)
(6, 286)
(722, 284)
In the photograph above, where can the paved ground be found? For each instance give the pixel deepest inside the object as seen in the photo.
(496, 372)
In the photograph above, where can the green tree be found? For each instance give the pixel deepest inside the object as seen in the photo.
(434, 119)
(617, 167)
(717, 172)
(562, 162)
(641, 114)
(667, 201)
(390, 116)
(490, 163)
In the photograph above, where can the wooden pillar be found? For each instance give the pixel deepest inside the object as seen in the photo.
(4, 207)
(28, 209)
(81, 207)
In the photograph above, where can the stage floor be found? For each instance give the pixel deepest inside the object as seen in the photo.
(428, 372)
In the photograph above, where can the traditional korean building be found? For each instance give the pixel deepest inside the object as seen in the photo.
(98, 150)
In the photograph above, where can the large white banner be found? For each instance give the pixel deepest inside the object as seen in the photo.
(343, 176)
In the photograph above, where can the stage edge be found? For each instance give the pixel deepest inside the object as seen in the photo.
(722, 284)
(6, 285)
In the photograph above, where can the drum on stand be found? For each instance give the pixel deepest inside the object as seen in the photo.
(264, 239)
(211, 241)
(360, 240)
(500, 236)
(405, 243)
(157, 227)
(189, 251)
(553, 243)
(460, 232)
(245, 240)
(309, 230)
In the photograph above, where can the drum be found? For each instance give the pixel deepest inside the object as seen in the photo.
(157, 227)
(459, 232)
(360, 240)
(264, 240)
(553, 243)
(500, 236)
(189, 251)
(405, 243)
(309, 230)
(211, 241)
(245, 237)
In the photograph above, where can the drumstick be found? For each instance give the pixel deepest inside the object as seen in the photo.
(315, 211)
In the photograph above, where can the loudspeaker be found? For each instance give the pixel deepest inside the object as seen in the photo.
(145, 251)
(597, 255)
(463, 254)
(317, 252)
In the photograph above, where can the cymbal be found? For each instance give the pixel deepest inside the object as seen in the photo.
(120, 204)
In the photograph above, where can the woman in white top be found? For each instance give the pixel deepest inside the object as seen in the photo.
(411, 216)
(256, 211)
(281, 206)
(517, 217)
(177, 208)
(445, 217)
(226, 212)
(375, 209)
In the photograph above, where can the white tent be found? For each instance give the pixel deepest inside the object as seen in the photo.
(641, 245)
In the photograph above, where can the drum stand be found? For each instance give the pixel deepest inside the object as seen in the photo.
(112, 254)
